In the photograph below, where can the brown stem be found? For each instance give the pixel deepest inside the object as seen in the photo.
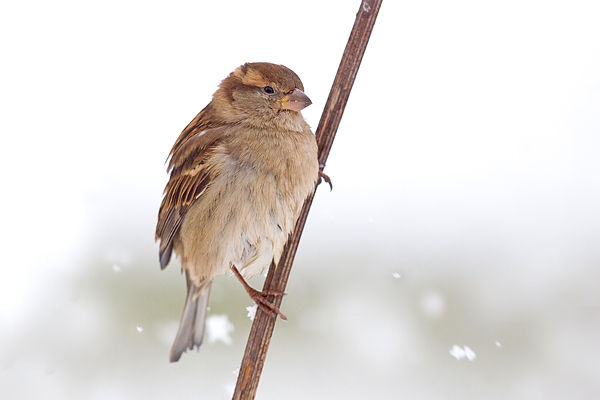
(262, 328)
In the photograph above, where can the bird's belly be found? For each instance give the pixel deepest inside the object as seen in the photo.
(252, 219)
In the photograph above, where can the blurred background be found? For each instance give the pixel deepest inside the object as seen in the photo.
(457, 257)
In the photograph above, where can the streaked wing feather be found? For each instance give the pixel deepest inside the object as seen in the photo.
(190, 175)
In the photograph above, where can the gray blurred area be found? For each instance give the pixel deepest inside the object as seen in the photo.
(465, 208)
(379, 294)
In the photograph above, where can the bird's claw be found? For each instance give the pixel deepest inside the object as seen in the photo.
(260, 298)
(324, 177)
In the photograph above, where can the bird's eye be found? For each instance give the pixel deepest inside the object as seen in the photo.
(269, 90)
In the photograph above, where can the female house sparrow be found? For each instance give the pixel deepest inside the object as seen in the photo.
(240, 172)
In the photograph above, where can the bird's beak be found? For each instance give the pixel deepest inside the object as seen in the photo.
(295, 101)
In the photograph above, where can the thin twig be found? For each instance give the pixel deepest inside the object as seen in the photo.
(262, 328)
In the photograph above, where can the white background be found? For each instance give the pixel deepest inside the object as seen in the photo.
(467, 163)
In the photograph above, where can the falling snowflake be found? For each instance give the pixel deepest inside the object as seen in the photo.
(459, 353)
(219, 328)
(252, 312)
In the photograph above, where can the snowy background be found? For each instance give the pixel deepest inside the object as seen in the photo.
(458, 256)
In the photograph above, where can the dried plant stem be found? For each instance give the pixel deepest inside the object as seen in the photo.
(262, 328)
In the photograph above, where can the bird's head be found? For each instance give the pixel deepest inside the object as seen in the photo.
(261, 93)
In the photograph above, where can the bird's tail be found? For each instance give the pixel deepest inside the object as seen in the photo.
(191, 327)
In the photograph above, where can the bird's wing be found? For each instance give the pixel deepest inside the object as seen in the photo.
(190, 176)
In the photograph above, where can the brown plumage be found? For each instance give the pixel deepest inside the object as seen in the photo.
(240, 172)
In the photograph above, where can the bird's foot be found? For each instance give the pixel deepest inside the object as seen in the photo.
(324, 177)
(261, 298)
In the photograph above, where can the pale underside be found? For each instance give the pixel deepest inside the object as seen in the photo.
(247, 212)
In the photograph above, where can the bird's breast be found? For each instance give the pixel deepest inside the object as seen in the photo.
(256, 193)
(276, 174)
(282, 163)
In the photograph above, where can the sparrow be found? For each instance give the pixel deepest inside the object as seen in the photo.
(239, 174)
